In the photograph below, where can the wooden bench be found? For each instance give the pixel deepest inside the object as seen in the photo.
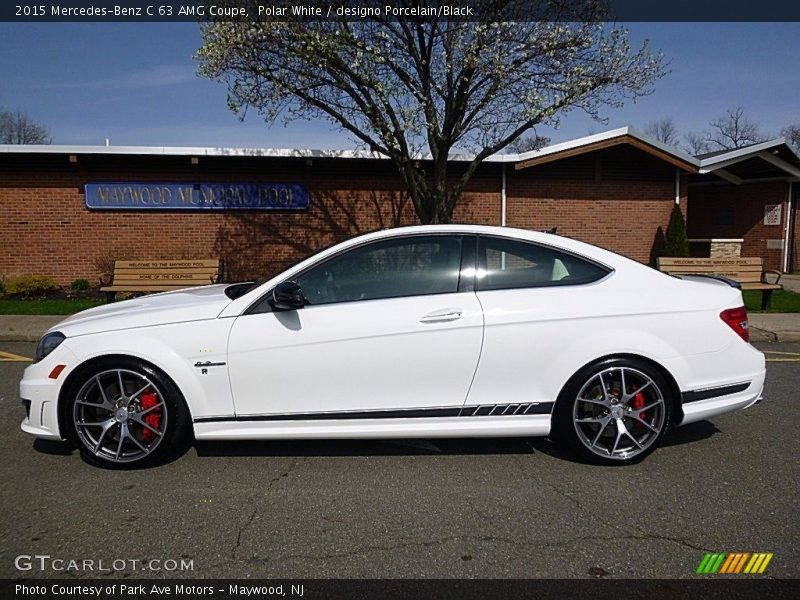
(160, 275)
(748, 272)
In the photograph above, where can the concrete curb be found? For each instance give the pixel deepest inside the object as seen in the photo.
(762, 335)
(26, 328)
(775, 327)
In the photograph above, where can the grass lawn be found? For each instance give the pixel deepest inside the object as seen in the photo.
(61, 306)
(783, 301)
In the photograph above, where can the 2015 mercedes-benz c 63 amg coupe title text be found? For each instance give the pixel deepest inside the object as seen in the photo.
(430, 331)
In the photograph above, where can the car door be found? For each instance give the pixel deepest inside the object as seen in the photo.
(388, 326)
(538, 301)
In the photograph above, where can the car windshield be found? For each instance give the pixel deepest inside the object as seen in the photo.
(238, 289)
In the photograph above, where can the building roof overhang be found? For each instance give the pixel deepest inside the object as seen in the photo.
(623, 135)
(774, 159)
(615, 137)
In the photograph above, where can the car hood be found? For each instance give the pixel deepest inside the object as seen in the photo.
(193, 304)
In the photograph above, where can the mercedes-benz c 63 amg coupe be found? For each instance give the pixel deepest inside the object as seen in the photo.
(423, 332)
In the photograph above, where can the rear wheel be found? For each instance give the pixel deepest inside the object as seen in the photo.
(614, 412)
(126, 414)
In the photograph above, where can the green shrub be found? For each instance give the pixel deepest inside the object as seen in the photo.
(79, 285)
(676, 243)
(29, 285)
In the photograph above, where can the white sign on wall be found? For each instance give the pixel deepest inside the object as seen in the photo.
(772, 214)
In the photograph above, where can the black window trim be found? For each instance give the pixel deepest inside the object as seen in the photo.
(481, 261)
(468, 286)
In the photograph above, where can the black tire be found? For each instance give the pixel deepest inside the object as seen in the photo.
(85, 402)
(592, 405)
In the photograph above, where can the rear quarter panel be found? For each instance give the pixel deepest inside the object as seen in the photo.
(536, 339)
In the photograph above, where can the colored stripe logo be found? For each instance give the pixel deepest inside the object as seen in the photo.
(734, 563)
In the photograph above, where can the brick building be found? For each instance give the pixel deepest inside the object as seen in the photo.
(749, 196)
(614, 189)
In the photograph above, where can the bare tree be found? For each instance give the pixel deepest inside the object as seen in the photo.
(18, 128)
(696, 143)
(792, 134)
(423, 87)
(733, 130)
(527, 143)
(664, 130)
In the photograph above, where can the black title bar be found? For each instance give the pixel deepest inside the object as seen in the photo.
(709, 588)
(57, 11)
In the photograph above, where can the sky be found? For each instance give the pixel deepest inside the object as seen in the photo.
(136, 84)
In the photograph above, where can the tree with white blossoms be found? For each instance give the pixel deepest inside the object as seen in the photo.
(418, 90)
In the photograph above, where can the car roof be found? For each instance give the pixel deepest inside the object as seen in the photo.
(611, 259)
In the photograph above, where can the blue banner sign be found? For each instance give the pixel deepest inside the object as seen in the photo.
(196, 196)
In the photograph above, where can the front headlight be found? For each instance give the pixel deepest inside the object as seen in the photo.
(47, 344)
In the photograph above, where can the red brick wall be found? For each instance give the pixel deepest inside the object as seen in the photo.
(737, 211)
(46, 229)
(619, 199)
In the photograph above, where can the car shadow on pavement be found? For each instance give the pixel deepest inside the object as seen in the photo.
(694, 432)
(53, 447)
(392, 447)
(449, 446)
(386, 447)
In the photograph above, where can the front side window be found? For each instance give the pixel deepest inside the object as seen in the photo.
(508, 264)
(410, 266)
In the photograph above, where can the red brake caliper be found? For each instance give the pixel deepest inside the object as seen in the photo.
(638, 403)
(153, 418)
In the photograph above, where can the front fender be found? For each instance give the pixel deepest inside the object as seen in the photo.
(174, 349)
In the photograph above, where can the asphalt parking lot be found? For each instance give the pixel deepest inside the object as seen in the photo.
(442, 508)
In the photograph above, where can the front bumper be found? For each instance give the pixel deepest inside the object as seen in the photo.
(42, 392)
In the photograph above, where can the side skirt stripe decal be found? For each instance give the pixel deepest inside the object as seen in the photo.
(496, 410)
(716, 392)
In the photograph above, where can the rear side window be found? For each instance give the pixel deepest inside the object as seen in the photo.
(507, 264)
(410, 266)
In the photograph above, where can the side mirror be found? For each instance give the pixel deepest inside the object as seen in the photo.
(288, 296)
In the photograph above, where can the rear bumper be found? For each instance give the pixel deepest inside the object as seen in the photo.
(709, 402)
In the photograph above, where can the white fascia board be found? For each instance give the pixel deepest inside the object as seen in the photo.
(720, 161)
(676, 152)
(348, 154)
(238, 152)
(593, 139)
(568, 145)
(186, 151)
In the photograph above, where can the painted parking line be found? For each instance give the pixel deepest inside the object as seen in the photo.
(783, 356)
(9, 357)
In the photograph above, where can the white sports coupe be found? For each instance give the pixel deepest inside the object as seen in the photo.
(428, 331)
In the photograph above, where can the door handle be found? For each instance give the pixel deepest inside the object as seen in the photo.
(441, 316)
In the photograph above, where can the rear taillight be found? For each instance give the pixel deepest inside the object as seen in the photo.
(736, 319)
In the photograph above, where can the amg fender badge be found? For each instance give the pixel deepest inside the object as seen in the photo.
(203, 366)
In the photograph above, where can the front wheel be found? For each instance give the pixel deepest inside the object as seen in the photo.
(125, 414)
(613, 412)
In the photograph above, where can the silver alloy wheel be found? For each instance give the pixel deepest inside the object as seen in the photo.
(110, 418)
(619, 413)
